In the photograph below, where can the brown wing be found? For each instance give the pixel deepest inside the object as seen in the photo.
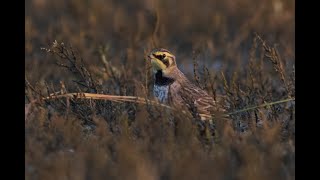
(199, 100)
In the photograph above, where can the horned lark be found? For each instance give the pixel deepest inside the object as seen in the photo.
(172, 87)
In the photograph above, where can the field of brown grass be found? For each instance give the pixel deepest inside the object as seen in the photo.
(242, 52)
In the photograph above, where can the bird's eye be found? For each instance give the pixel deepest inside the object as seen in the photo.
(160, 57)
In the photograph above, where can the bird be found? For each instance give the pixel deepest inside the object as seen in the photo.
(172, 87)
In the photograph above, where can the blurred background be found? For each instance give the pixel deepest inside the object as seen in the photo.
(222, 31)
(216, 46)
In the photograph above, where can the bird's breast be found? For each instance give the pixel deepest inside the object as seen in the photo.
(161, 93)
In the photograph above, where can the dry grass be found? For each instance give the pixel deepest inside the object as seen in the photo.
(241, 52)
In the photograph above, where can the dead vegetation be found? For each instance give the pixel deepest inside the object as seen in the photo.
(226, 47)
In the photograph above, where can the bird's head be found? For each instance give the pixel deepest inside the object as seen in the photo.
(162, 60)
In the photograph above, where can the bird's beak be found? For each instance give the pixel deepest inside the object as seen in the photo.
(150, 56)
(156, 63)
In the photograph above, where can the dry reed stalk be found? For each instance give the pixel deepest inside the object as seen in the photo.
(113, 98)
(140, 100)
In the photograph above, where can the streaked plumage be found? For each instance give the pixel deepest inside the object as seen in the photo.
(173, 88)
